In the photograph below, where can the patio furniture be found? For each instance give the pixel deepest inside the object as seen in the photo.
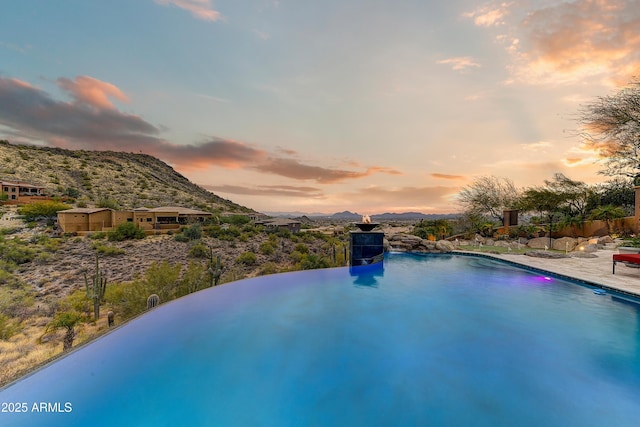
(630, 260)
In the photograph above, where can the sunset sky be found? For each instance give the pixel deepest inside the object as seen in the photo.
(320, 106)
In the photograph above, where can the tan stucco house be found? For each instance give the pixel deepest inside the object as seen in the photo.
(159, 220)
(281, 223)
(19, 192)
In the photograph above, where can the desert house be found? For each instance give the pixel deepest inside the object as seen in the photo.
(152, 220)
(19, 192)
(280, 223)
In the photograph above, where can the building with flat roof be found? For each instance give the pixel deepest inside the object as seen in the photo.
(152, 220)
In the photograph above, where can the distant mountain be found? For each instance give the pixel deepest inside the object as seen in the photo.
(295, 214)
(351, 216)
(346, 215)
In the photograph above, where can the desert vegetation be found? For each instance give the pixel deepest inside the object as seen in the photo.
(57, 291)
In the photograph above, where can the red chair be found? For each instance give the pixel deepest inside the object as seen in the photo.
(629, 259)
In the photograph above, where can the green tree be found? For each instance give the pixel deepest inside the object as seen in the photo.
(618, 192)
(608, 213)
(489, 196)
(611, 125)
(544, 201)
(575, 195)
(47, 209)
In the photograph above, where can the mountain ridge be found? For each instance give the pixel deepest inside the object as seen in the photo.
(114, 178)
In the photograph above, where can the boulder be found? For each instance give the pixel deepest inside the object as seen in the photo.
(444, 246)
(565, 244)
(427, 244)
(539, 243)
(546, 254)
(604, 240)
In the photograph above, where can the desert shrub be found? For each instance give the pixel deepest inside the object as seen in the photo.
(180, 238)
(108, 250)
(72, 192)
(46, 209)
(284, 233)
(296, 256)
(193, 232)
(8, 327)
(310, 261)
(195, 278)
(77, 301)
(161, 278)
(268, 268)
(16, 251)
(97, 235)
(302, 248)
(267, 248)
(130, 299)
(247, 258)
(125, 231)
(42, 258)
(199, 250)
(16, 301)
(235, 219)
(108, 202)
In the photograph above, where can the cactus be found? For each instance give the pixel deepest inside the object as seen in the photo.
(216, 271)
(96, 289)
(153, 301)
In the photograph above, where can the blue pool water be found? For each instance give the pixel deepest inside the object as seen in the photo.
(427, 340)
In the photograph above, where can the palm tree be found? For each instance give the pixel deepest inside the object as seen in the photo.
(65, 320)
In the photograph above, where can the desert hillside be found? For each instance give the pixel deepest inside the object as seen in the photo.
(129, 179)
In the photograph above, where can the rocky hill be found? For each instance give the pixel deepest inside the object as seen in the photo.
(91, 177)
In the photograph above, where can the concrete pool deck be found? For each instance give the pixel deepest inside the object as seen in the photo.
(593, 270)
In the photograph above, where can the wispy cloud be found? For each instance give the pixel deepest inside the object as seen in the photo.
(292, 168)
(201, 9)
(537, 146)
(460, 63)
(489, 15)
(15, 47)
(261, 34)
(269, 190)
(91, 121)
(446, 176)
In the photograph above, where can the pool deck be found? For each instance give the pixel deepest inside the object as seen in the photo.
(596, 271)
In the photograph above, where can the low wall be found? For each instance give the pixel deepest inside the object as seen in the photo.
(626, 225)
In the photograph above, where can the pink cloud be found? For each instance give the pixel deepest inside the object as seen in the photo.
(200, 9)
(573, 40)
(93, 92)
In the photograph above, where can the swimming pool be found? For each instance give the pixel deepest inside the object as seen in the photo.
(424, 340)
